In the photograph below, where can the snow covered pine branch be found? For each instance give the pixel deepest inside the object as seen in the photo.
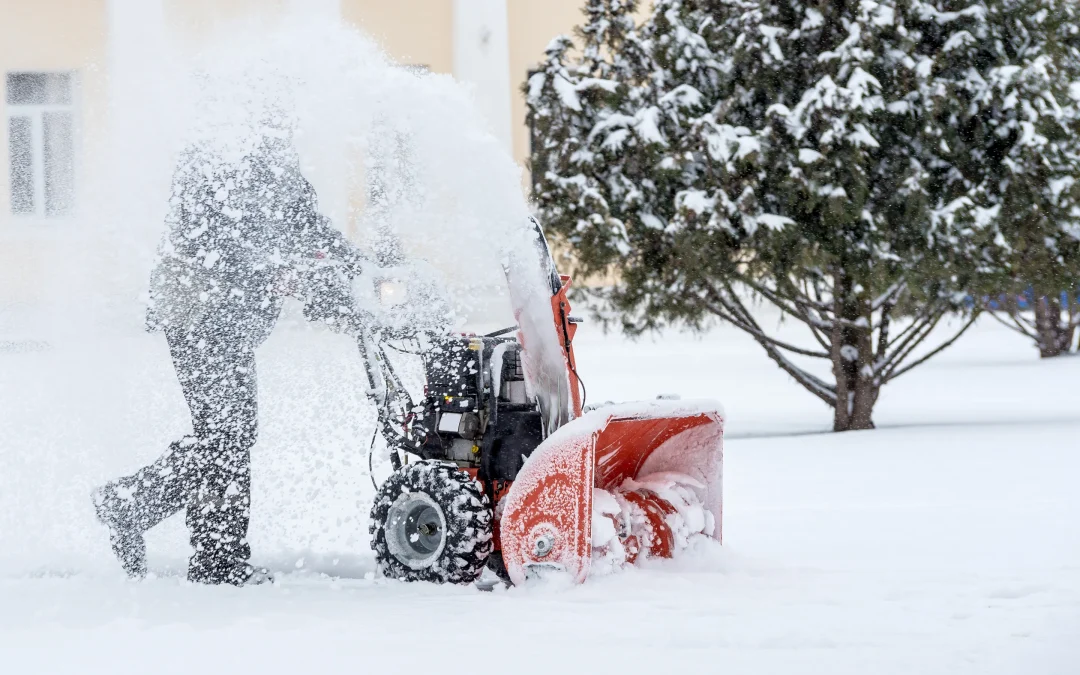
(1013, 151)
(807, 155)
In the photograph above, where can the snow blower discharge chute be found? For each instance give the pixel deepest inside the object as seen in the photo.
(509, 472)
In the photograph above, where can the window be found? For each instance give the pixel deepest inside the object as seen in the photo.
(41, 143)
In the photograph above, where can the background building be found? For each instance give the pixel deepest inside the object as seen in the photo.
(75, 79)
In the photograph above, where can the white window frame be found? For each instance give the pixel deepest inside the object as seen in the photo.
(36, 113)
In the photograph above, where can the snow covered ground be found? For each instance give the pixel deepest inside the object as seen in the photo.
(946, 541)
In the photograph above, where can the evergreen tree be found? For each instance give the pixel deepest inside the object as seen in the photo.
(778, 150)
(1009, 102)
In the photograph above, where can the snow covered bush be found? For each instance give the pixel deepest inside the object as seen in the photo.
(1007, 95)
(725, 152)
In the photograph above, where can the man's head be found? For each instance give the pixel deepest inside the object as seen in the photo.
(274, 129)
(273, 121)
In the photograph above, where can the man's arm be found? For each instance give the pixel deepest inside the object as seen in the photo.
(322, 262)
(315, 237)
(322, 241)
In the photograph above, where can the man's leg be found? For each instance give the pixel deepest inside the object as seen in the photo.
(155, 492)
(133, 504)
(223, 399)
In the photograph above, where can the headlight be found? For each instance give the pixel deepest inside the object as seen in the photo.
(392, 293)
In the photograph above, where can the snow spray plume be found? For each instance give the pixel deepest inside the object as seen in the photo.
(110, 386)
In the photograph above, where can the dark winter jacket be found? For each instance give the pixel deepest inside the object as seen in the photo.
(239, 237)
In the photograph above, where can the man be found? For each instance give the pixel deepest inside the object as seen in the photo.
(241, 234)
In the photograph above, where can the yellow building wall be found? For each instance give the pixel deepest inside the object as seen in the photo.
(532, 26)
(413, 32)
(420, 32)
(195, 21)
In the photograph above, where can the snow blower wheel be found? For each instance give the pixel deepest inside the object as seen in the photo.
(431, 522)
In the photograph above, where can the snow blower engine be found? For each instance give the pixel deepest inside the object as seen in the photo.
(507, 472)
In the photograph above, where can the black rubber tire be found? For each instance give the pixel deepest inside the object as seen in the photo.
(466, 511)
(498, 567)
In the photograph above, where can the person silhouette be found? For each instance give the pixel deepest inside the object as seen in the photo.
(241, 235)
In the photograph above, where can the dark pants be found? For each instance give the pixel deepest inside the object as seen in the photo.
(209, 473)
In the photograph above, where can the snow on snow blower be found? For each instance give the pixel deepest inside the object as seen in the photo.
(513, 474)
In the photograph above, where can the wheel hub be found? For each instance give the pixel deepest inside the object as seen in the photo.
(416, 530)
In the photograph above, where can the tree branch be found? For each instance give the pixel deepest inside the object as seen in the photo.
(802, 313)
(758, 334)
(806, 305)
(751, 325)
(909, 345)
(802, 297)
(889, 296)
(901, 341)
(818, 334)
(1014, 326)
(1016, 316)
(774, 297)
(883, 330)
(733, 307)
(823, 391)
(939, 348)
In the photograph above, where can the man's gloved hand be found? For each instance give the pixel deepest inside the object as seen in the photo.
(328, 299)
(324, 242)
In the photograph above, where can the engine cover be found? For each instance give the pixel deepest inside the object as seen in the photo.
(477, 409)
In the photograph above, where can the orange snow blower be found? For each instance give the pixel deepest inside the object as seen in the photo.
(514, 474)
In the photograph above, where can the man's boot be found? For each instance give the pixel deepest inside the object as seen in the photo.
(113, 508)
(218, 518)
(234, 573)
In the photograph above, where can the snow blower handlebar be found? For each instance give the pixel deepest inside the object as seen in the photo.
(392, 401)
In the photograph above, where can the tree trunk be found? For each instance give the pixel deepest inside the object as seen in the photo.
(852, 357)
(1053, 338)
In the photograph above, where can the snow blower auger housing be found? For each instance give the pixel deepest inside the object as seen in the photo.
(514, 475)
